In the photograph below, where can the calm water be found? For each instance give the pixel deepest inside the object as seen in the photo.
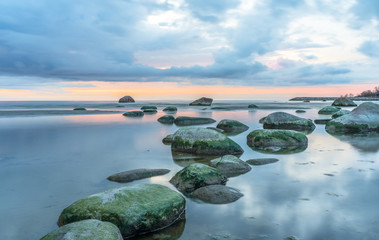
(48, 162)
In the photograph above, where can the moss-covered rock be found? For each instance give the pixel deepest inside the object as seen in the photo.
(277, 141)
(170, 109)
(195, 176)
(133, 209)
(328, 110)
(283, 120)
(134, 114)
(340, 113)
(86, 230)
(322, 121)
(217, 194)
(232, 126)
(230, 165)
(188, 121)
(136, 174)
(203, 141)
(363, 119)
(202, 102)
(80, 109)
(344, 102)
(166, 119)
(168, 139)
(148, 107)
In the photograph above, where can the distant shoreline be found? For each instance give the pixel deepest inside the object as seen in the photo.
(333, 98)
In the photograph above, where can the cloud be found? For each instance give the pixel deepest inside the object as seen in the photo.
(370, 48)
(211, 10)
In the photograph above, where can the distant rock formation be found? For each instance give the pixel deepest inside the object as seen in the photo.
(126, 99)
(202, 102)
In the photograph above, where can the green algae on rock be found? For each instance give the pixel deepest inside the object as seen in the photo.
(166, 119)
(283, 120)
(170, 109)
(344, 102)
(195, 176)
(86, 230)
(340, 113)
(277, 141)
(168, 139)
(217, 194)
(230, 165)
(134, 114)
(203, 141)
(133, 209)
(232, 126)
(187, 121)
(328, 110)
(136, 174)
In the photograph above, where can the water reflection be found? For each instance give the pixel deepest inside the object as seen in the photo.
(365, 143)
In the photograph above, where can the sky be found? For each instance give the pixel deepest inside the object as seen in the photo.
(182, 49)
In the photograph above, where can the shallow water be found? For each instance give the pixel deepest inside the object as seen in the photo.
(328, 191)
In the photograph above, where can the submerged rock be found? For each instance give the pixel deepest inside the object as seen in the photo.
(282, 120)
(195, 176)
(187, 121)
(363, 119)
(148, 107)
(277, 141)
(300, 111)
(134, 114)
(328, 110)
(168, 139)
(166, 119)
(232, 126)
(262, 161)
(252, 106)
(133, 209)
(170, 109)
(136, 174)
(202, 102)
(322, 121)
(340, 113)
(86, 230)
(217, 194)
(344, 102)
(230, 165)
(80, 109)
(126, 99)
(203, 141)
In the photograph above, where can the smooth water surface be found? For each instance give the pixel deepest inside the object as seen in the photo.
(329, 191)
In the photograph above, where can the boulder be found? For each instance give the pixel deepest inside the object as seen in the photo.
(195, 176)
(277, 141)
(86, 230)
(261, 161)
(170, 109)
(126, 99)
(187, 121)
(363, 119)
(230, 165)
(202, 102)
(217, 194)
(134, 114)
(133, 209)
(80, 109)
(328, 110)
(340, 113)
(203, 141)
(322, 121)
(230, 126)
(283, 120)
(166, 119)
(168, 139)
(148, 107)
(252, 106)
(136, 174)
(344, 102)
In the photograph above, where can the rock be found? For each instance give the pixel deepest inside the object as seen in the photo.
(328, 110)
(187, 121)
(232, 126)
(262, 120)
(340, 113)
(216, 129)
(217, 194)
(300, 111)
(134, 114)
(196, 176)
(363, 119)
(343, 102)
(166, 119)
(148, 107)
(252, 106)
(322, 121)
(203, 141)
(168, 139)
(136, 174)
(277, 141)
(133, 209)
(126, 99)
(282, 120)
(230, 165)
(170, 109)
(202, 102)
(150, 111)
(86, 230)
(80, 109)
(261, 161)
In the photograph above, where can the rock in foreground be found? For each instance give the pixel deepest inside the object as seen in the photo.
(344, 102)
(230, 165)
(166, 119)
(363, 119)
(86, 230)
(232, 126)
(277, 141)
(196, 176)
(283, 120)
(261, 161)
(202, 102)
(126, 99)
(203, 141)
(188, 121)
(217, 194)
(133, 209)
(136, 174)
(328, 110)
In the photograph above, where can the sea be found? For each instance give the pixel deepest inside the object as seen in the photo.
(51, 156)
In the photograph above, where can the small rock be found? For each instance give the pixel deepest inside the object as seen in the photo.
(202, 102)
(170, 109)
(136, 174)
(328, 110)
(232, 126)
(230, 165)
(283, 120)
(126, 99)
(300, 111)
(217, 194)
(252, 106)
(79, 109)
(166, 119)
(344, 102)
(133, 114)
(261, 161)
(148, 107)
